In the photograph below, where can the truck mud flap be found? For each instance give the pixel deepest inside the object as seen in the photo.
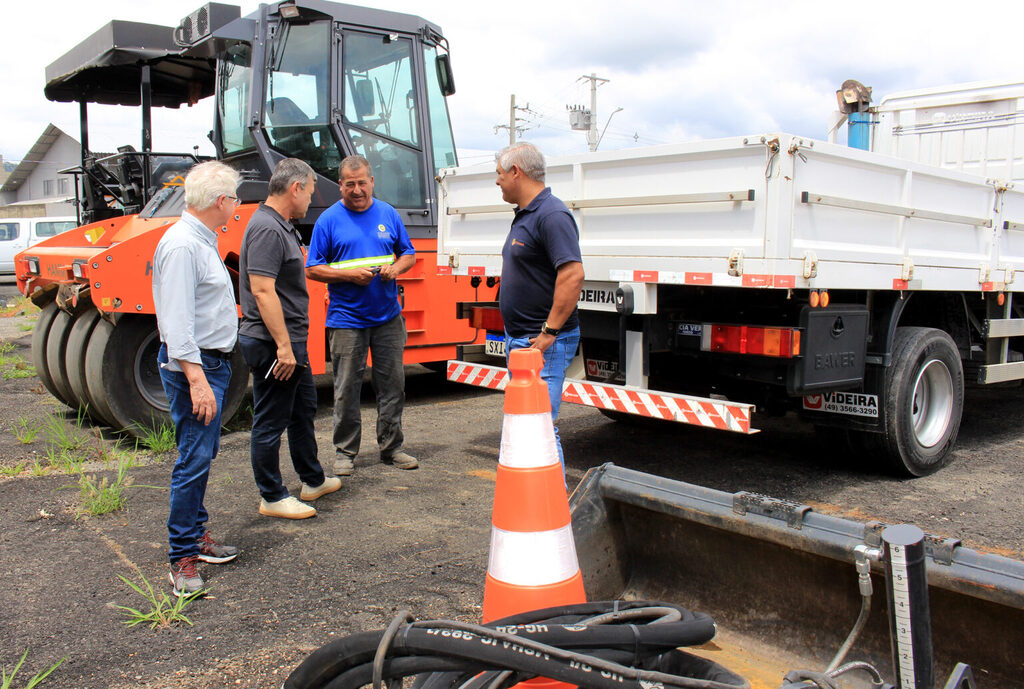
(779, 578)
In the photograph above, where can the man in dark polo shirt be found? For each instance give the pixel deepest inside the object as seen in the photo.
(542, 269)
(273, 334)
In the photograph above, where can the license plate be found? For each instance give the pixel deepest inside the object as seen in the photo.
(495, 345)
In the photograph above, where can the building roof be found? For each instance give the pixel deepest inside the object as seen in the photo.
(32, 159)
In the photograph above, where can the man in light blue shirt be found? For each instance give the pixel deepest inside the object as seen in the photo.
(198, 323)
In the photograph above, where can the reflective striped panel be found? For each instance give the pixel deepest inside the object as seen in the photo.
(532, 559)
(534, 441)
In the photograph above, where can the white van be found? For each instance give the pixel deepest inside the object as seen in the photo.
(17, 234)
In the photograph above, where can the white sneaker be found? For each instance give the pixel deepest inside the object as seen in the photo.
(330, 484)
(288, 508)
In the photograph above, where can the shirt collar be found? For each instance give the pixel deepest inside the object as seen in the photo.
(537, 200)
(199, 229)
(279, 218)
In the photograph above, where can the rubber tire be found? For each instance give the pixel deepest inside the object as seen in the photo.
(56, 343)
(74, 362)
(915, 350)
(39, 334)
(122, 375)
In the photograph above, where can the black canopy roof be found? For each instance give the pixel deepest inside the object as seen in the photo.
(106, 68)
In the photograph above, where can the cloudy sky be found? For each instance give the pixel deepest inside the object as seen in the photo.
(679, 70)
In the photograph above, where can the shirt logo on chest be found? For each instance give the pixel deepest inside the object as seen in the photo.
(382, 229)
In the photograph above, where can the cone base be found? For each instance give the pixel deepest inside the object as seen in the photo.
(502, 599)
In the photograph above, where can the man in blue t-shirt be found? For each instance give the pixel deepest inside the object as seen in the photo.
(541, 270)
(359, 246)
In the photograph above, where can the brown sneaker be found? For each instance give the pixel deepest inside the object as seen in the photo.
(344, 466)
(401, 460)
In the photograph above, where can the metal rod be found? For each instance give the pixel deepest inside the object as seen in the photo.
(910, 625)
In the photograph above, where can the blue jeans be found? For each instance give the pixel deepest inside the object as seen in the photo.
(557, 358)
(280, 406)
(349, 346)
(197, 446)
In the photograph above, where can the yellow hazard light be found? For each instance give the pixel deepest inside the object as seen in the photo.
(824, 299)
(1001, 299)
(813, 299)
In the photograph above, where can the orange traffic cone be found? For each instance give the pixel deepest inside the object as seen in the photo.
(533, 560)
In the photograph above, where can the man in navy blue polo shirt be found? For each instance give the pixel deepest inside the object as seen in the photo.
(542, 269)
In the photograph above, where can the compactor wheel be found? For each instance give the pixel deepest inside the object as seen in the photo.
(39, 336)
(123, 376)
(74, 362)
(56, 343)
(924, 400)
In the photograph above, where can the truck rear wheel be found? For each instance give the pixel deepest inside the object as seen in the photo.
(122, 375)
(924, 398)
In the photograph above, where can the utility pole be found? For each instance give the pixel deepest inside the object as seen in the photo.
(582, 119)
(513, 127)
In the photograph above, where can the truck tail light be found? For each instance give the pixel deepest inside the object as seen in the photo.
(486, 318)
(746, 339)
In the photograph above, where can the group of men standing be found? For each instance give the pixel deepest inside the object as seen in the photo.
(359, 247)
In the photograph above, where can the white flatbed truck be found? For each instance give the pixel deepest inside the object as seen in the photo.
(774, 272)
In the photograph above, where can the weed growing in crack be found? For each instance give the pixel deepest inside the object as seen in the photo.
(162, 612)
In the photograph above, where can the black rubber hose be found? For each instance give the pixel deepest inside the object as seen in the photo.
(554, 643)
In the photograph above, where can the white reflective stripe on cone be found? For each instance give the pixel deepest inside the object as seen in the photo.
(528, 441)
(534, 558)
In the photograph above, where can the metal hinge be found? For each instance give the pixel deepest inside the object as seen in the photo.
(939, 549)
(736, 263)
(774, 508)
(453, 259)
(810, 265)
(907, 271)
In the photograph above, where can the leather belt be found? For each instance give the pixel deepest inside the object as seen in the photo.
(216, 353)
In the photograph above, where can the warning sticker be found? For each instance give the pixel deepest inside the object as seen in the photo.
(850, 403)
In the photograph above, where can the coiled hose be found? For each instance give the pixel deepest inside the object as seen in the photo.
(601, 645)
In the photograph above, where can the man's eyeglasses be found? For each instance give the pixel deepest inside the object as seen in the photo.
(234, 199)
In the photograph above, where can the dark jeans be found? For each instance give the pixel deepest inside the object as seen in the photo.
(197, 446)
(349, 346)
(280, 406)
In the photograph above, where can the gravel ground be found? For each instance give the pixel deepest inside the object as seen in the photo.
(391, 539)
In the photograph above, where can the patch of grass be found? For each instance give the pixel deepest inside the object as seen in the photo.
(26, 430)
(103, 496)
(7, 680)
(64, 437)
(158, 440)
(14, 365)
(162, 612)
(26, 327)
(12, 470)
(38, 469)
(20, 305)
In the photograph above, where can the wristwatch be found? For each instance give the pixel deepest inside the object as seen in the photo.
(545, 330)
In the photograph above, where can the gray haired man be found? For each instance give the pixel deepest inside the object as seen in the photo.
(198, 323)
